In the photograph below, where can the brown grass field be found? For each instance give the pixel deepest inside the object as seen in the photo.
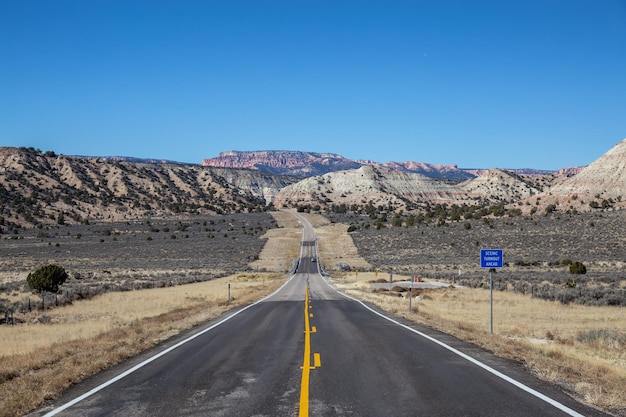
(580, 348)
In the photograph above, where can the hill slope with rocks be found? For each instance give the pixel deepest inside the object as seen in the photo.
(309, 164)
(367, 185)
(44, 188)
(295, 163)
(603, 179)
(39, 189)
(397, 190)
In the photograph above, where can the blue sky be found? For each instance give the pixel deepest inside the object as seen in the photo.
(480, 84)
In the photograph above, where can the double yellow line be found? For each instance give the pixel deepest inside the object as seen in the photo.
(306, 363)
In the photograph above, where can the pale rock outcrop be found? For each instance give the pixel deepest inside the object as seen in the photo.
(606, 177)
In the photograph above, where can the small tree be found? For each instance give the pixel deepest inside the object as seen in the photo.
(551, 208)
(577, 268)
(47, 278)
(397, 221)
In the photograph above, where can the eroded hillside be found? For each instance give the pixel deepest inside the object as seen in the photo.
(44, 188)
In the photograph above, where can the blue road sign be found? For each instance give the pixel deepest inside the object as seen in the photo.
(491, 258)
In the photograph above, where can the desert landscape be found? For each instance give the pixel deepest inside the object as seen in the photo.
(141, 271)
(575, 342)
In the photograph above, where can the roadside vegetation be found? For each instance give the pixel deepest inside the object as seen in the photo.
(575, 258)
(53, 350)
(126, 256)
(565, 326)
(577, 342)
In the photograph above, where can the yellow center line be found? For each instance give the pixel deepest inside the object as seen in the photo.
(306, 363)
(317, 362)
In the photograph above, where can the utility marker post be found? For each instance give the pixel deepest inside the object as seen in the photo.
(411, 294)
(491, 258)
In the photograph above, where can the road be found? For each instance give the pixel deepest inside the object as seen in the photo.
(307, 350)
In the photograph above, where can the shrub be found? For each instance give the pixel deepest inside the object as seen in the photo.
(351, 229)
(47, 278)
(577, 268)
(608, 338)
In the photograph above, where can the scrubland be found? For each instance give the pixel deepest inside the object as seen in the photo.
(579, 347)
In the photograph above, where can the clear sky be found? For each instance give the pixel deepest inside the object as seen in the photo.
(502, 83)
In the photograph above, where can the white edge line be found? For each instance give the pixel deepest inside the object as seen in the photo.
(476, 362)
(157, 356)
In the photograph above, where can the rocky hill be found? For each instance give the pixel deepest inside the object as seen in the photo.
(397, 190)
(604, 179)
(294, 163)
(309, 164)
(44, 188)
(500, 185)
(368, 185)
(445, 172)
(39, 189)
(601, 185)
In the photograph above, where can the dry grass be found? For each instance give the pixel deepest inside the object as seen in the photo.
(282, 246)
(41, 360)
(575, 346)
(581, 348)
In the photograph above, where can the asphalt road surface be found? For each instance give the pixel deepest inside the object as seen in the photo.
(307, 350)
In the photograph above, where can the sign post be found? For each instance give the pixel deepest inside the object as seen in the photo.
(491, 258)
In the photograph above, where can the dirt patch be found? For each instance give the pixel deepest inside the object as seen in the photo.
(282, 244)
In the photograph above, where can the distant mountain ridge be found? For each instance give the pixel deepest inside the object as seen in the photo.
(41, 189)
(310, 164)
(298, 163)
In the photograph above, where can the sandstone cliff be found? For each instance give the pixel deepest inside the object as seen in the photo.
(295, 163)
